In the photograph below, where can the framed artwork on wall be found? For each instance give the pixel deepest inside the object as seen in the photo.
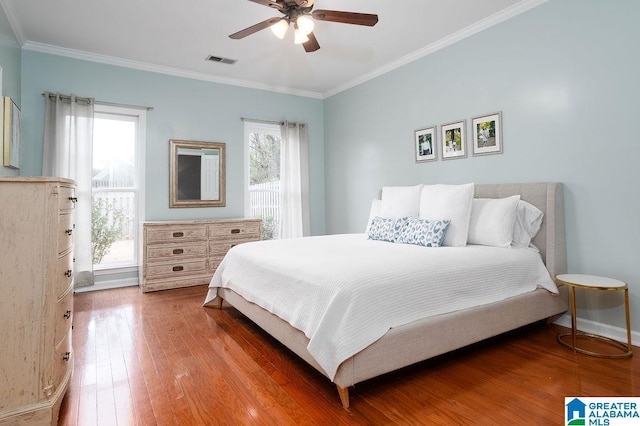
(11, 151)
(487, 134)
(425, 145)
(452, 140)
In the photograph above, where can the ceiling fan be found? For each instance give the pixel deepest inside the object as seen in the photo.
(300, 15)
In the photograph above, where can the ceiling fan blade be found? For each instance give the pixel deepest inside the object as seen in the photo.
(311, 45)
(268, 3)
(367, 19)
(254, 28)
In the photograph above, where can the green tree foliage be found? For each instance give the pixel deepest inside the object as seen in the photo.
(264, 158)
(268, 227)
(104, 230)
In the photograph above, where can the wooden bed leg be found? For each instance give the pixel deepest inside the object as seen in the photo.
(344, 396)
(219, 302)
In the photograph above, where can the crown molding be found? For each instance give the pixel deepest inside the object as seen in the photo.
(13, 21)
(476, 27)
(481, 25)
(143, 66)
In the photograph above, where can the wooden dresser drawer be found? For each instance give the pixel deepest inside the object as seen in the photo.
(176, 268)
(240, 229)
(67, 198)
(63, 317)
(65, 232)
(167, 233)
(64, 274)
(221, 247)
(62, 360)
(176, 251)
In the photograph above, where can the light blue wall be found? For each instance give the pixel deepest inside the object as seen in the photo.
(10, 61)
(566, 76)
(182, 109)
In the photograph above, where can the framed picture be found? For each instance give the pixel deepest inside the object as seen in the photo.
(452, 140)
(425, 140)
(11, 151)
(487, 134)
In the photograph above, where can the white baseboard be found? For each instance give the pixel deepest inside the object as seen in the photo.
(593, 327)
(106, 285)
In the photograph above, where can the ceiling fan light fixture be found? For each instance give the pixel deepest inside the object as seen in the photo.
(280, 28)
(299, 36)
(305, 23)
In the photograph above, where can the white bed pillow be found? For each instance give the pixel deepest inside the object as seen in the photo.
(492, 221)
(400, 201)
(527, 224)
(373, 212)
(453, 202)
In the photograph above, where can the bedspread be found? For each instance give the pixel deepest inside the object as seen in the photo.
(345, 291)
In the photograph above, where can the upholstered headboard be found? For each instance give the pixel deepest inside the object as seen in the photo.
(548, 197)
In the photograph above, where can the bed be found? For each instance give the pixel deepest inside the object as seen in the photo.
(382, 347)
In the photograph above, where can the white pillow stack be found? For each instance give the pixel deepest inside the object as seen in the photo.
(499, 222)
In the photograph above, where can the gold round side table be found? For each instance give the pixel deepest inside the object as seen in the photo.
(592, 282)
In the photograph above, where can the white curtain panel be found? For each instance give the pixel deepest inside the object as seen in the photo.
(68, 139)
(294, 179)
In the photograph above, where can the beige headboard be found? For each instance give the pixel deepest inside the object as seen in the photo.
(548, 197)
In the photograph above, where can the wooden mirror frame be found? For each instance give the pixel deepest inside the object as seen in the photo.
(175, 200)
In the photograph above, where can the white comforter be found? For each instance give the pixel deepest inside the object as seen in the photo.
(345, 292)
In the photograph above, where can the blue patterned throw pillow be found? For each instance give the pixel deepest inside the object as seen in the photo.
(422, 232)
(385, 229)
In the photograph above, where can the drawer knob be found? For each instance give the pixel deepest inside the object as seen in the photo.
(178, 268)
(67, 314)
(68, 231)
(235, 231)
(66, 356)
(178, 251)
(178, 234)
(73, 199)
(68, 273)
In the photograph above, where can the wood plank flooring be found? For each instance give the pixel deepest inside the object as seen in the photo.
(163, 359)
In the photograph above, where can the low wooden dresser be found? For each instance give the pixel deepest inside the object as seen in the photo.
(36, 307)
(187, 253)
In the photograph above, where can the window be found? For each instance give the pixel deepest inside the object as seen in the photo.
(117, 186)
(262, 175)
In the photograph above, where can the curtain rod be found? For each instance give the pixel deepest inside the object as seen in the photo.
(68, 98)
(254, 120)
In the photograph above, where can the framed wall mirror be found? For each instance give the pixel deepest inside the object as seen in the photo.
(197, 174)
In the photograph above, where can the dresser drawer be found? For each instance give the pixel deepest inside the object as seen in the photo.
(65, 232)
(235, 229)
(176, 251)
(62, 360)
(175, 233)
(64, 274)
(176, 268)
(221, 247)
(214, 262)
(67, 198)
(63, 317)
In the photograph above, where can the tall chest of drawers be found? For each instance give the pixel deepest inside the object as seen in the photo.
(187, 253)
(36, 307)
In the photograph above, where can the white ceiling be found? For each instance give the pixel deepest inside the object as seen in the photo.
(176, 36)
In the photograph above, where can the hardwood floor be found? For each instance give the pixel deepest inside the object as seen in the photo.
(163, 359)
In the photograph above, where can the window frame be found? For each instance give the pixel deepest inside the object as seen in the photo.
(139, 115)
(261, 128)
